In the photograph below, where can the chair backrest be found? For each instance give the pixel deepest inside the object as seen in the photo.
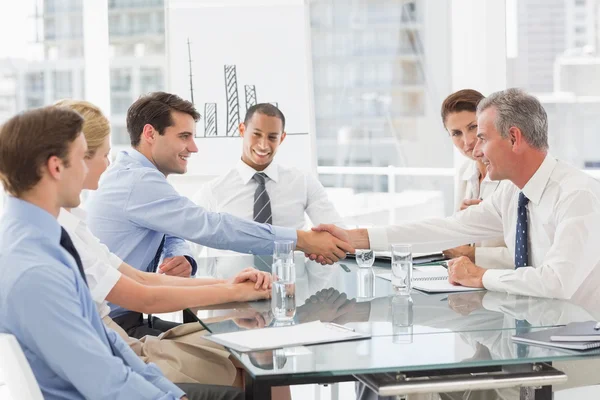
(15, 373)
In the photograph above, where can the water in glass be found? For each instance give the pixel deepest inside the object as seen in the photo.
(402, 267)
(283, 295)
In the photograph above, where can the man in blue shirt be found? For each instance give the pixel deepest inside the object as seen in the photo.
(140, 216)
(44, 299)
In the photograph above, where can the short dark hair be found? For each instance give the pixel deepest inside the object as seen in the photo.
(463, 100)
(29, 139)
(155, 109)
(267, 109)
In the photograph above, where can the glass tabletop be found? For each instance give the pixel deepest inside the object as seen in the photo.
(475, 349)
(361, 301)
(459, 330)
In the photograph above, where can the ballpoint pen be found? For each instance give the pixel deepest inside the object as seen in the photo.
(345, 267)
(341, 326)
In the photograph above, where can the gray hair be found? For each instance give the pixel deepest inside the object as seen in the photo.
(519, 109)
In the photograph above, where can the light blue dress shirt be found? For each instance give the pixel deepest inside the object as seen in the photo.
(135, 206)
(46, 305)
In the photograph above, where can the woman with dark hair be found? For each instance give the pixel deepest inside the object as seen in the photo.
(472, 185)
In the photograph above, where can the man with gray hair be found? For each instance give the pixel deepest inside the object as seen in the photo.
(549, 216)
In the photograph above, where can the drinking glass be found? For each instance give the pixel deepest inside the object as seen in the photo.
(402, 267)
(283, 295)
(365, 258)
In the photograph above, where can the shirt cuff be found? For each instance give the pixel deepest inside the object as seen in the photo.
(492, 279)
(115, 261)
(378, 239)
(285, 234)
(169, 387)
(105, 285)
(193, 264)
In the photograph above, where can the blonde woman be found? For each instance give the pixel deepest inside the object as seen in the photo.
(112, 280)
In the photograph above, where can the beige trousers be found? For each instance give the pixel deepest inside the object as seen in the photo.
(183, 354)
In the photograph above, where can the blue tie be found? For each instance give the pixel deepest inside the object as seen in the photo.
(521, 245)
(521, 260)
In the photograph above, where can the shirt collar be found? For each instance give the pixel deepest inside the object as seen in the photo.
(71, 220)
(139, 157)
(471, 172)
(25, 211)
(247, 172)
(534, 188)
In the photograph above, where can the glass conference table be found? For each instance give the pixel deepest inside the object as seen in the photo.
(439, 343)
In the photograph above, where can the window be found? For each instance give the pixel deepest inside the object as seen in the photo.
(376, 97)
(63, 86)
(563, 74)
(120, 79)
(151, 80)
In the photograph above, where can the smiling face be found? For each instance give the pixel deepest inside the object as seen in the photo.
(262, 136)
(462, 128)
(494, 150)
(170, 151)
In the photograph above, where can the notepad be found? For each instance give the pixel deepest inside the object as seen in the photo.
(577, 332)
(432, 280)
(286, 336)
(544, 338)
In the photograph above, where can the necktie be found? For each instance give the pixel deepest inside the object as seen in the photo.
(67, 244)
(262, 202)
(522, 260)
(154, 263)
(521, 245)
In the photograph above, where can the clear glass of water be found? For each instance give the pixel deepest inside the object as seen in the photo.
(365, 258)
(283, 295)
(402, 267)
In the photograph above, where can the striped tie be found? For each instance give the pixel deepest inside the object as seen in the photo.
(262, 202)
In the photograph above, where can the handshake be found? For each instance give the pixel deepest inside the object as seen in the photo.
(327, 244)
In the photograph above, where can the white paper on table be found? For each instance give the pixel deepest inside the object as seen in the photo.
(286, 336)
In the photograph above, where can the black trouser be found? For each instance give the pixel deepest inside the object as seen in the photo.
(136, 326)
(196, 391)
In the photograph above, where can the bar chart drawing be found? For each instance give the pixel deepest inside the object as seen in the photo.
(250, 91)
(210, 119)
(233, 101)
(232, 116)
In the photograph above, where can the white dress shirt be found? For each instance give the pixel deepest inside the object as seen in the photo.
(101, 267)
(488, 253)
(564, 229)
(292, 192)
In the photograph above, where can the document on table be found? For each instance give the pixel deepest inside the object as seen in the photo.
(432, 280)
(286, 336)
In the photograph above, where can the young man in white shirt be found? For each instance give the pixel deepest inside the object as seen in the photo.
(549, 218)
(260, 189)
